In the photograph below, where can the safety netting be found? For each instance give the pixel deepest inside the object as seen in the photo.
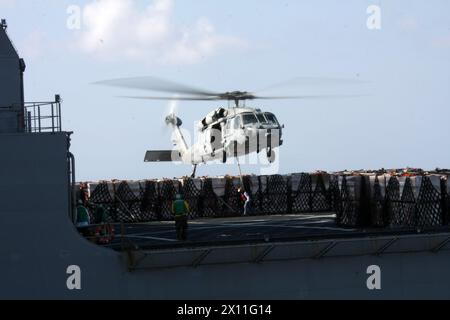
(394, 205)
(149, 200)
(257, 192)
(358, 200)
(210, 207)
(232, 203)
(101, 195)
(347, 196)
(310, 193)
(275, 195)
(167, 192)
(429, 211)
(378, 217)
(301, 193)
(192, 194)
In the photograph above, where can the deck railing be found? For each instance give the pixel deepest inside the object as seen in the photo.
(43, 116)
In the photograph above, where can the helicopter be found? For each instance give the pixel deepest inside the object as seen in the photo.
(226, 132)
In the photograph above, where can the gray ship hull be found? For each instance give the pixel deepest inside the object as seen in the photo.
(39, 243)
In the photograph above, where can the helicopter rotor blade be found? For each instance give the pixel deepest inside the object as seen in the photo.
(155, 84)
(313, 81)
(189, 93)
(172, 98)
(311, 97)
(247, 97)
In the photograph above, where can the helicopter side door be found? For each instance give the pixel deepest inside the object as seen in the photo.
(232, 129)
(233, 135)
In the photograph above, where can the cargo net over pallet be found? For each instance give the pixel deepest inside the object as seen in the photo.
(391, 201)
(362, 200)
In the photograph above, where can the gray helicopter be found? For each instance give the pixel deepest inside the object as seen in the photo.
(224, 133)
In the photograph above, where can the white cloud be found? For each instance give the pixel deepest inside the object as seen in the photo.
(118, 29)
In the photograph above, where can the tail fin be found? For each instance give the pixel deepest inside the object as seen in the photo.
(181, 148)
(178, 139)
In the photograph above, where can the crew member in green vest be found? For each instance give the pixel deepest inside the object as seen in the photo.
(101, 215)
(180, 209)
(83, 219)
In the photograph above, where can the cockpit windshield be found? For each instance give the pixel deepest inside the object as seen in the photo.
(271, 118)
(261, 118)
(249, 119)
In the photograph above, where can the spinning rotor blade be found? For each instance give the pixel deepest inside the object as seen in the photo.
(172, 98)
(194, 94)
(155, 84)
(248, 97)
(311, 97)
(313, 81)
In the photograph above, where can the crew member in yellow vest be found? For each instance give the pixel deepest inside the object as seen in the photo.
(180, 209)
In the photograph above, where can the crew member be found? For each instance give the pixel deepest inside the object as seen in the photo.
(101, 215)
(245, 197)
(180, 209)
(104, 231)
(83, 220)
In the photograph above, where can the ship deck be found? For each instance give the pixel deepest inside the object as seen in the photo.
(243, 230)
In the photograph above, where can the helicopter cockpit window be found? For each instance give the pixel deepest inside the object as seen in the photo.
(249, 119)
(261, 118)
(271, 118)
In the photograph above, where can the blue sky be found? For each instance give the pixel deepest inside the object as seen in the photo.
(247, 45)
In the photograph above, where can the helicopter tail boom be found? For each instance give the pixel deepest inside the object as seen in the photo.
(181, 149)
(162, 156)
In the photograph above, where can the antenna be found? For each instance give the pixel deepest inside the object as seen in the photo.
(4, 24)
